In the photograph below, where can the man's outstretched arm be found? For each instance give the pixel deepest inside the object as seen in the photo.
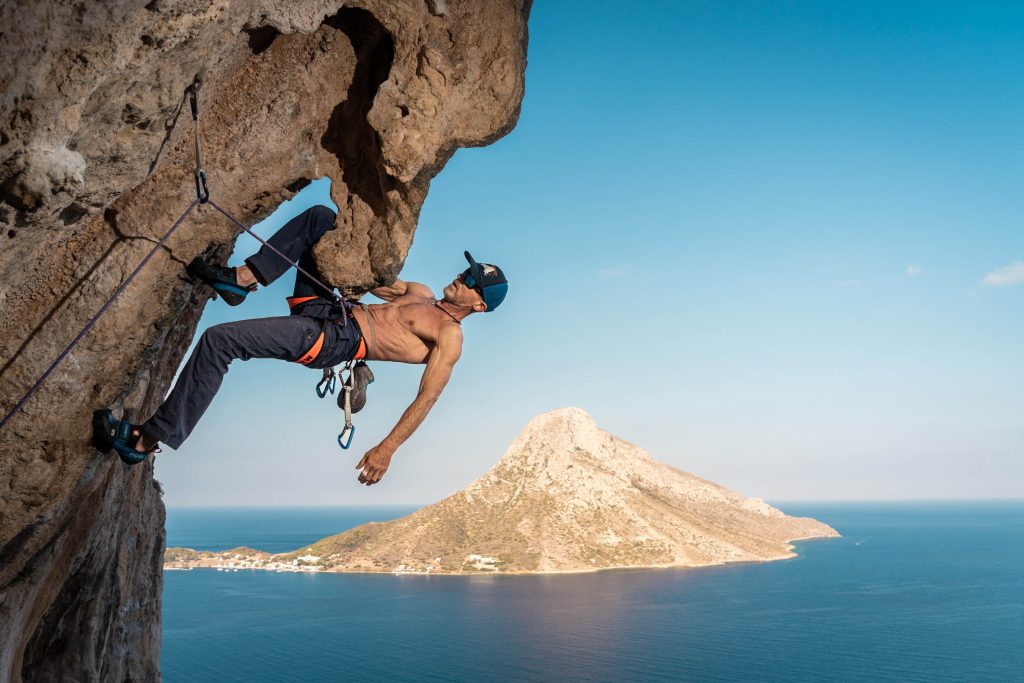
(435, 377)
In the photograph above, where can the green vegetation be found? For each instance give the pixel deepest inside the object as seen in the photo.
(180, 555)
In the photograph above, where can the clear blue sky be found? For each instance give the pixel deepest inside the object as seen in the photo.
(776, 244)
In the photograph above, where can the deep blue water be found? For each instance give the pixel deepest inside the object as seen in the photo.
(912, 592)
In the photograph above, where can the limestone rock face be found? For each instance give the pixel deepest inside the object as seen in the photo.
(566, 496)
(96, 162)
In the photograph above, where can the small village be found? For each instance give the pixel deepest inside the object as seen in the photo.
(186, 559)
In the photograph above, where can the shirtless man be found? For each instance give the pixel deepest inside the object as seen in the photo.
(411, 327)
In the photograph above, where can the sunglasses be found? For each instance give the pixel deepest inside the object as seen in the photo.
(467, 279)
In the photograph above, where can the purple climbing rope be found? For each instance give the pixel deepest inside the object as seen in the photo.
(293, 264)
(103, 309)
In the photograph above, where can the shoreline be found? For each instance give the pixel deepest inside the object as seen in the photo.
(309, 569)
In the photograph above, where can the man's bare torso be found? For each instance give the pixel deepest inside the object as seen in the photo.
(407, 329)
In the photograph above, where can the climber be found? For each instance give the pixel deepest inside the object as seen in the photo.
(411, 327)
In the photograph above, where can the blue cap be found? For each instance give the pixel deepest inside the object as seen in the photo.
(489, 281)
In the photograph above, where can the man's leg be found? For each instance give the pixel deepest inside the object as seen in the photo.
(295, 240)
(285, 338)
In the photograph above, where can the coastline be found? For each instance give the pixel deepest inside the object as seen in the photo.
(238, 561)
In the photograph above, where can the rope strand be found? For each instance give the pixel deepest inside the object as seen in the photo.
(293, 264)
(103, 309)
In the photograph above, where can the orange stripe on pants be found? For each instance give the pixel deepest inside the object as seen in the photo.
(314, 351)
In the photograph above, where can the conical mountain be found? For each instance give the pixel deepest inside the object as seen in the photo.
(568, 496)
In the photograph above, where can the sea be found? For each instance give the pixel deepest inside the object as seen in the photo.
(911, 592)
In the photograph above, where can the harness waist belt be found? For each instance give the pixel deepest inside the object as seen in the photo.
(314, 351)
(294, 301)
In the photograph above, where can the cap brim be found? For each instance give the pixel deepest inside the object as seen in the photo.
(474, 268)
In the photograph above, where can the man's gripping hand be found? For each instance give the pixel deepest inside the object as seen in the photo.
(374, 464)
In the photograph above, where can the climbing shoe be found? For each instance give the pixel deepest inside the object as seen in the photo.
(221, 278)
(109, 433)
(359, 378)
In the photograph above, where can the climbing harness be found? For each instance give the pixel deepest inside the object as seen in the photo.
(119, 432)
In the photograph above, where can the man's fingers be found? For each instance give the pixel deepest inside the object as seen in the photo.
(371, 476)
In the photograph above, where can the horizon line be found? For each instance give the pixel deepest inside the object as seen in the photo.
(290, 506)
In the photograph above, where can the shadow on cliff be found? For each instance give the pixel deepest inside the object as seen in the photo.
(110, 218)
(349, 136)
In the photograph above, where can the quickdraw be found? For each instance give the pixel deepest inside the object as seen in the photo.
(349, 429)
(327, 385)
(202, 190)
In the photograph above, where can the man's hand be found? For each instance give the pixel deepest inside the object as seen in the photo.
(374, 464)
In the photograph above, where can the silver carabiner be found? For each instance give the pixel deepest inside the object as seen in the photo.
(349, 429)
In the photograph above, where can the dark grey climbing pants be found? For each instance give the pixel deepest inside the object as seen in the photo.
(285, 338)
(295, 239)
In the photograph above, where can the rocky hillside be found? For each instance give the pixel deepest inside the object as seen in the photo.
(566, 496)
(96, 163)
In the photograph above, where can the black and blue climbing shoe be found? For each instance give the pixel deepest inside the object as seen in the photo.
(221, 278)
(359, 378)
(109, 433)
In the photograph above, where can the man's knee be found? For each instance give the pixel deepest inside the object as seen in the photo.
(217, 339)
(322, 216)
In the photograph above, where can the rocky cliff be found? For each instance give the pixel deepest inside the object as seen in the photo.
(566, 496)
(96, 163)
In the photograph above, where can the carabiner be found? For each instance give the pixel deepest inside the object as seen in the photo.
(193, 91)
(350, 430)
(202, 191)
(327, 383)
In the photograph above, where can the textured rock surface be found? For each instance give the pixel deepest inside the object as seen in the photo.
(566, 496)
(96, 163)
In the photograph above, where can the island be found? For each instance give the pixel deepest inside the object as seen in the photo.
(566, 496)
